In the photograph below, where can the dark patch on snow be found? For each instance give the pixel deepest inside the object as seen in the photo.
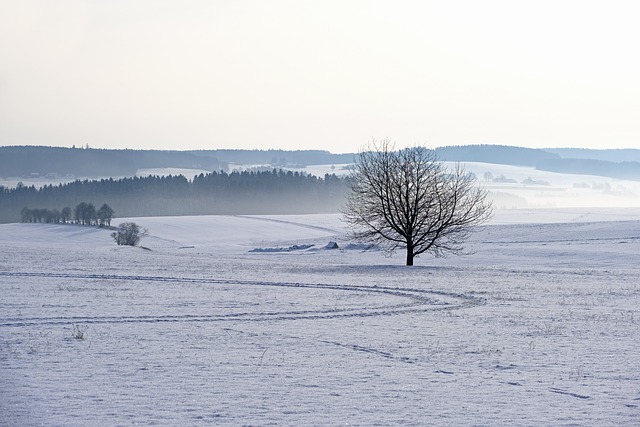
(332, 245)
(505, 367)
(568, 393)
(289, 249)
(361, 247)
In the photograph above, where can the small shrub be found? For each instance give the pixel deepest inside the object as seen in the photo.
(78, 332)
(129, 233)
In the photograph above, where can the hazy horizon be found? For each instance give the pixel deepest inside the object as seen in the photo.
(296, 149)
(204, 75)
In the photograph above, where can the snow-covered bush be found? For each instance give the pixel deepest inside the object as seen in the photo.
(129, 233)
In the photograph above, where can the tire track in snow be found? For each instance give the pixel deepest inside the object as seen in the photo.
(370, 350)
(416, 301)
(297, 224)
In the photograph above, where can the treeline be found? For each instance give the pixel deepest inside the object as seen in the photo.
(83, 214)
(298, 158)
(269, 192)
(609, 155)
(21, 161)
(587, 162)
(498, 154)
(621, 170)
(25, 161)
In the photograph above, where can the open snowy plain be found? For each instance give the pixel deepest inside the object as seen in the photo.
(238, 321)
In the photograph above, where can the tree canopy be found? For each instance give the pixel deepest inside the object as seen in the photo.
(407, 199)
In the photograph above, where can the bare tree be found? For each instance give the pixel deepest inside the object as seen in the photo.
(407, 199)
(105, 215)
(79, 212)
(65, 215)
(89, 215)
(26, 215)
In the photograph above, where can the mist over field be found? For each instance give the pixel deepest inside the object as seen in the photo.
(146, 183)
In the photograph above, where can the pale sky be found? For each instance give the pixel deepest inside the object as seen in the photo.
(206, 74)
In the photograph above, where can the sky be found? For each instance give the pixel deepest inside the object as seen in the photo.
(331, 75)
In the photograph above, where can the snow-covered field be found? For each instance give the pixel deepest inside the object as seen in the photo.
(539, 326)
(526, 187)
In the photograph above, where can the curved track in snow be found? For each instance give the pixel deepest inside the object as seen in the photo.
(412, 300)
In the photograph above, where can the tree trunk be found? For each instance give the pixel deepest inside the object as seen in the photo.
(409, 255)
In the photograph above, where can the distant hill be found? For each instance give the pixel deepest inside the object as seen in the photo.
(278, 157)
(500, 154)
(619, 164)
(26, 160)
(23, 161)
(618, 170)
(80, 162)
(609, 155)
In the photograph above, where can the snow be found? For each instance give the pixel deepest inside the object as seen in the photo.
(562, 190)
(538, 325)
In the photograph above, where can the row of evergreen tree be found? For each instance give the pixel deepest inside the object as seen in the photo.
(83, 214)
(24, 160)
(248, 192)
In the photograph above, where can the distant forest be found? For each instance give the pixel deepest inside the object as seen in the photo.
(24, 161)
(270, 192)
(608, 155)
(619, 164)
(275, 191)
(88, 162)
(299, 158)
(618, 170)
(505, 155)
(56, 162)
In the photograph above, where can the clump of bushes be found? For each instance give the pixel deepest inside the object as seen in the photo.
(129, 233)
(83, 214)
